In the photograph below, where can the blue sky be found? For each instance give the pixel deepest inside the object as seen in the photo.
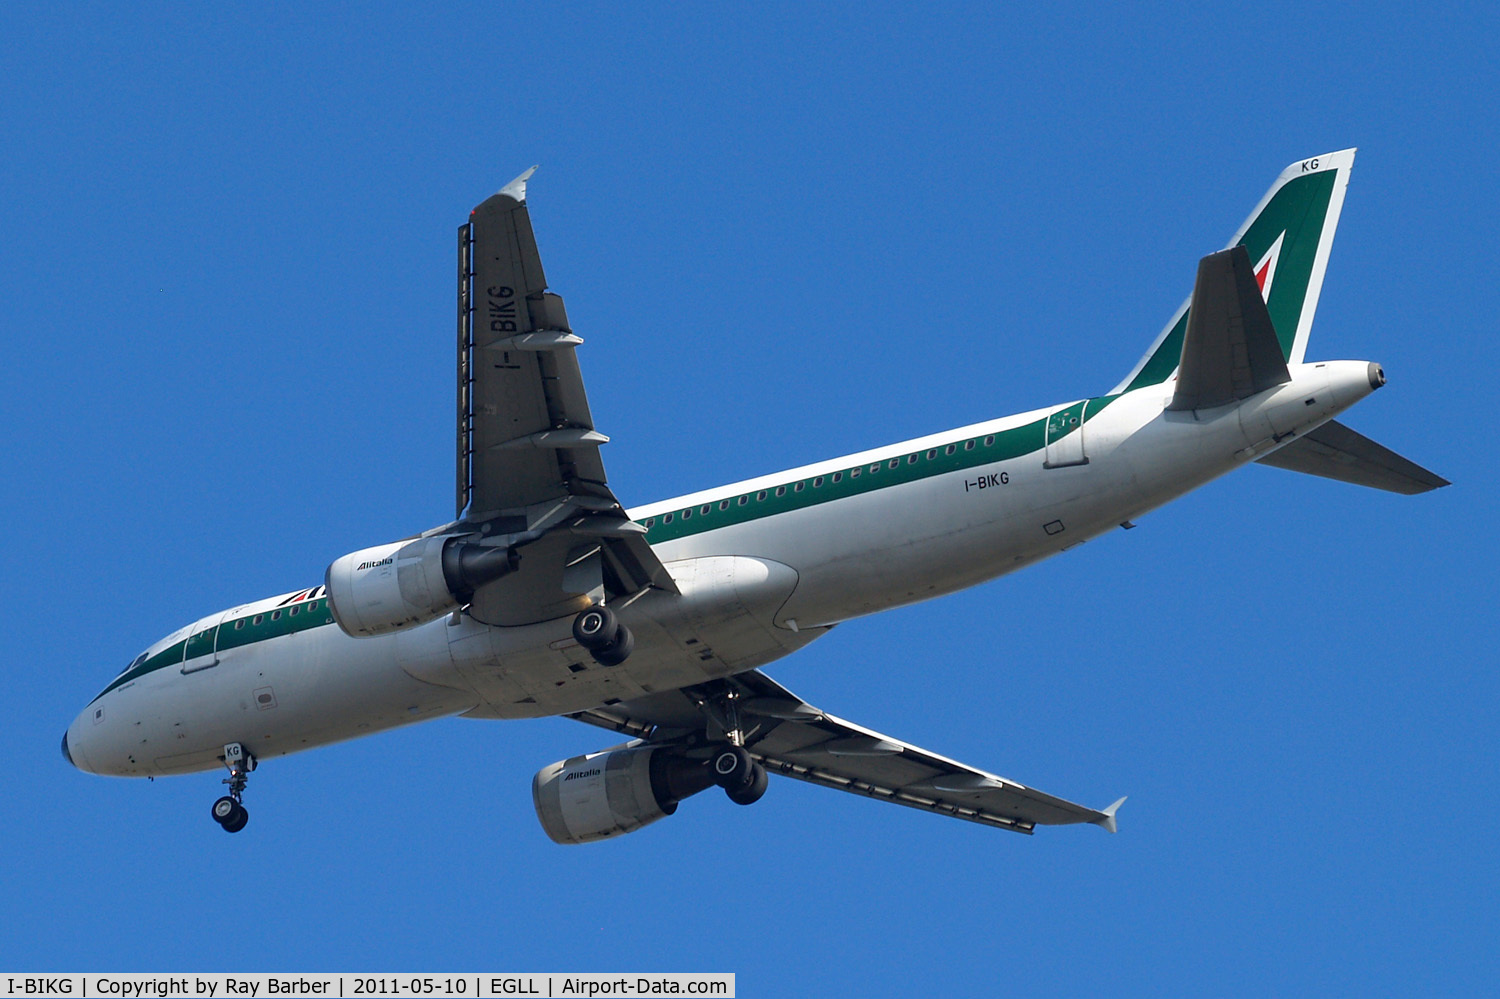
(786, 232)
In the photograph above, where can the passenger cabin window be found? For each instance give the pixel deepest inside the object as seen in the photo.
(781, 490)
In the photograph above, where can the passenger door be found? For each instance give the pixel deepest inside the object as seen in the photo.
(1065, 436)
(202, 647)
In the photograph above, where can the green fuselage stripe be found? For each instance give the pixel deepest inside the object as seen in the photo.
(232, 634)
(798, 494)
(954, 456)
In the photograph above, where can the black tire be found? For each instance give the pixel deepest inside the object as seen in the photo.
(224, 809)
(733, 769)
(237, 823)
(596, 627)
(752, 792)
(617, 651)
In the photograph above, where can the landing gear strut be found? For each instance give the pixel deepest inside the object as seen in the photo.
(227, 811)
(598, 630)
(734, 769)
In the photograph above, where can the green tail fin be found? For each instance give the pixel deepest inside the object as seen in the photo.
(1288, 237)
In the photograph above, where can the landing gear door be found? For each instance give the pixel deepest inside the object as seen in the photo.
(1065, 436)
(202, 649)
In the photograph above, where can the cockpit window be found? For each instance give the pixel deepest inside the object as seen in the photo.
(138, 660)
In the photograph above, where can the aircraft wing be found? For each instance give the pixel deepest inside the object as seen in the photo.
(792, 738)
(528, 453)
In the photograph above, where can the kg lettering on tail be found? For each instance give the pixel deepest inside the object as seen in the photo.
(545, 595)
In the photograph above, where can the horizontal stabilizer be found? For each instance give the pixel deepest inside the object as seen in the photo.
(1230, 351)
(1336, 452)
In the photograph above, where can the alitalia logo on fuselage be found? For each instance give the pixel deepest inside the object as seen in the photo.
(388, 560)
(582, 773)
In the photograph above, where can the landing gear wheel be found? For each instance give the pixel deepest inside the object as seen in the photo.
(596, 628)
(617, 651)
(733, 769)
(752, 792)
(237, 821)
(224, 809)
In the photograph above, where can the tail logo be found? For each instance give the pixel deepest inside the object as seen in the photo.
(1265, 268)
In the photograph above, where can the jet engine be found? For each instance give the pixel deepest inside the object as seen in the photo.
(604, 794)
(616, 791)
(389, 587)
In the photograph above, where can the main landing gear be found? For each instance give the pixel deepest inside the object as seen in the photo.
(743, 779)
(732, 767)
(598, 630)
(227, 811)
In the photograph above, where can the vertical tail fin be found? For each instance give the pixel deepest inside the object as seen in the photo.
(1288, 237)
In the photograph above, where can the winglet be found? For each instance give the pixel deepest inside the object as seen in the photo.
(516, 189)
(1108, 817)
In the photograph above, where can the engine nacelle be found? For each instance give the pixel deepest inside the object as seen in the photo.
(616, 791)
(406, 583)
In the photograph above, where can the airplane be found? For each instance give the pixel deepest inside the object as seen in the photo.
(546, 596)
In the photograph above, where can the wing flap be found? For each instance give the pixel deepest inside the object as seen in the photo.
(529, 469)
(792, 738)
(518, 389)
(914, 777)
(1336, 452)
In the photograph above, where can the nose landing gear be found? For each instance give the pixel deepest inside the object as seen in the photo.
(598, 630)
(230, 814)
(227, 811)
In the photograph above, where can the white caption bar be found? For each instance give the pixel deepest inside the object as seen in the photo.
(368, 986)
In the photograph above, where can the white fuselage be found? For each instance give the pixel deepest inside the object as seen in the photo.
(764, 567)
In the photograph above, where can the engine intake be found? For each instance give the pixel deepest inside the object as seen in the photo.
(604, 794)
(383, 589)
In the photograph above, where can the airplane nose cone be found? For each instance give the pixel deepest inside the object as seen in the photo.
(75, 751)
